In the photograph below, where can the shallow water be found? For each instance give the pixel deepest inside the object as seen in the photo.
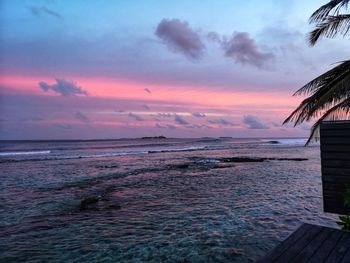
(178, 202)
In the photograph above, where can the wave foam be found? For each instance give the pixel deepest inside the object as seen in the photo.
(23, 153)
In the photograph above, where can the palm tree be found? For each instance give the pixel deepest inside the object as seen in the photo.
(329, 94)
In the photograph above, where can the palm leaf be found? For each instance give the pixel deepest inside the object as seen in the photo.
(320, 14)
(326, 90)
(337, 112)
(324, 99)
(336, 93)
(330, 26)
(324, 79)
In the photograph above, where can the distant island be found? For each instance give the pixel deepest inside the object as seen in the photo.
(153, 137)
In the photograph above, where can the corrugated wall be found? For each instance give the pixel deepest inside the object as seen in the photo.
(335, 161)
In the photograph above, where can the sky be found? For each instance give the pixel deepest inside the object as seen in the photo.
(103, 69)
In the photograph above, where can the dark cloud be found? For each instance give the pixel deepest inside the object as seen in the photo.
(179, 37)
(166, 115)
(198, 115)
(63, 126)
(148, 90)
(145, 106)
(135, 116)
(64, 87)
(222, 122)
(167, 126)
(180, 120)
(80, 116)
(213, 36)
(254, 123)
(42, 11)
(243, 49)
(30, 119)
(197, 126)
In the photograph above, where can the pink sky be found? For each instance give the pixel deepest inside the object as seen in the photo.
(79, 70)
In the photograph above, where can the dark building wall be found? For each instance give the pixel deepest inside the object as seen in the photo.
(335, 161)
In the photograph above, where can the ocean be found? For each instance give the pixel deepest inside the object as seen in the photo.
(155, 200)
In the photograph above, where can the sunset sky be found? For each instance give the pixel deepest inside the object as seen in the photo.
(111, 69)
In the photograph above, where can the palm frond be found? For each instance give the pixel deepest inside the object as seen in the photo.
(325, 79)
(330, 26)
(323, 100)
(326, 91)
(320, 14)
(340, 111)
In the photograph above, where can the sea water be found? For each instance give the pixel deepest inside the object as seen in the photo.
(154, 200)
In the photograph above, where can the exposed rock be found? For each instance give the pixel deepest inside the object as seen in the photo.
(107, 166)
(182, 166)
(257, 159)
(88, 203)
(242, 159)
(289, 159)
(273, 142)
(153, 137)
(114, 206)
(94, 203)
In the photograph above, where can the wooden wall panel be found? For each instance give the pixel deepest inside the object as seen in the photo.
(335, 162)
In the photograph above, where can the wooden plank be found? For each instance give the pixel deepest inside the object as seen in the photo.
(340, 177)
(279, 249)
(346, 258)
(334, 187)
(336, 132)
(298, 246)
(338, 125)
(335, 140)
(336, 209)
(336, 171)
(313, 246)
(336, 163)
(341, 248)
(334, 156)
(335, 201)
(338, 202)
(326, 248)
(335, 148)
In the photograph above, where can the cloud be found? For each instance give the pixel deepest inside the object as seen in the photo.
(254, 123)
(222, 122)
(80, 116)
(197, 126)
(168, 126)
(180, 38)
(42, 11)
(305, 126)
(180, 120)
(63, 126)
(213, 36)
(198, 115)
(64, 87)
(148, 90)
(30, 119)
(243, 49)
(135, 116)
(166, 114)
(145, 106)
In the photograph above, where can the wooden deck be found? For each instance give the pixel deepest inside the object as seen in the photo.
(311, 243)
